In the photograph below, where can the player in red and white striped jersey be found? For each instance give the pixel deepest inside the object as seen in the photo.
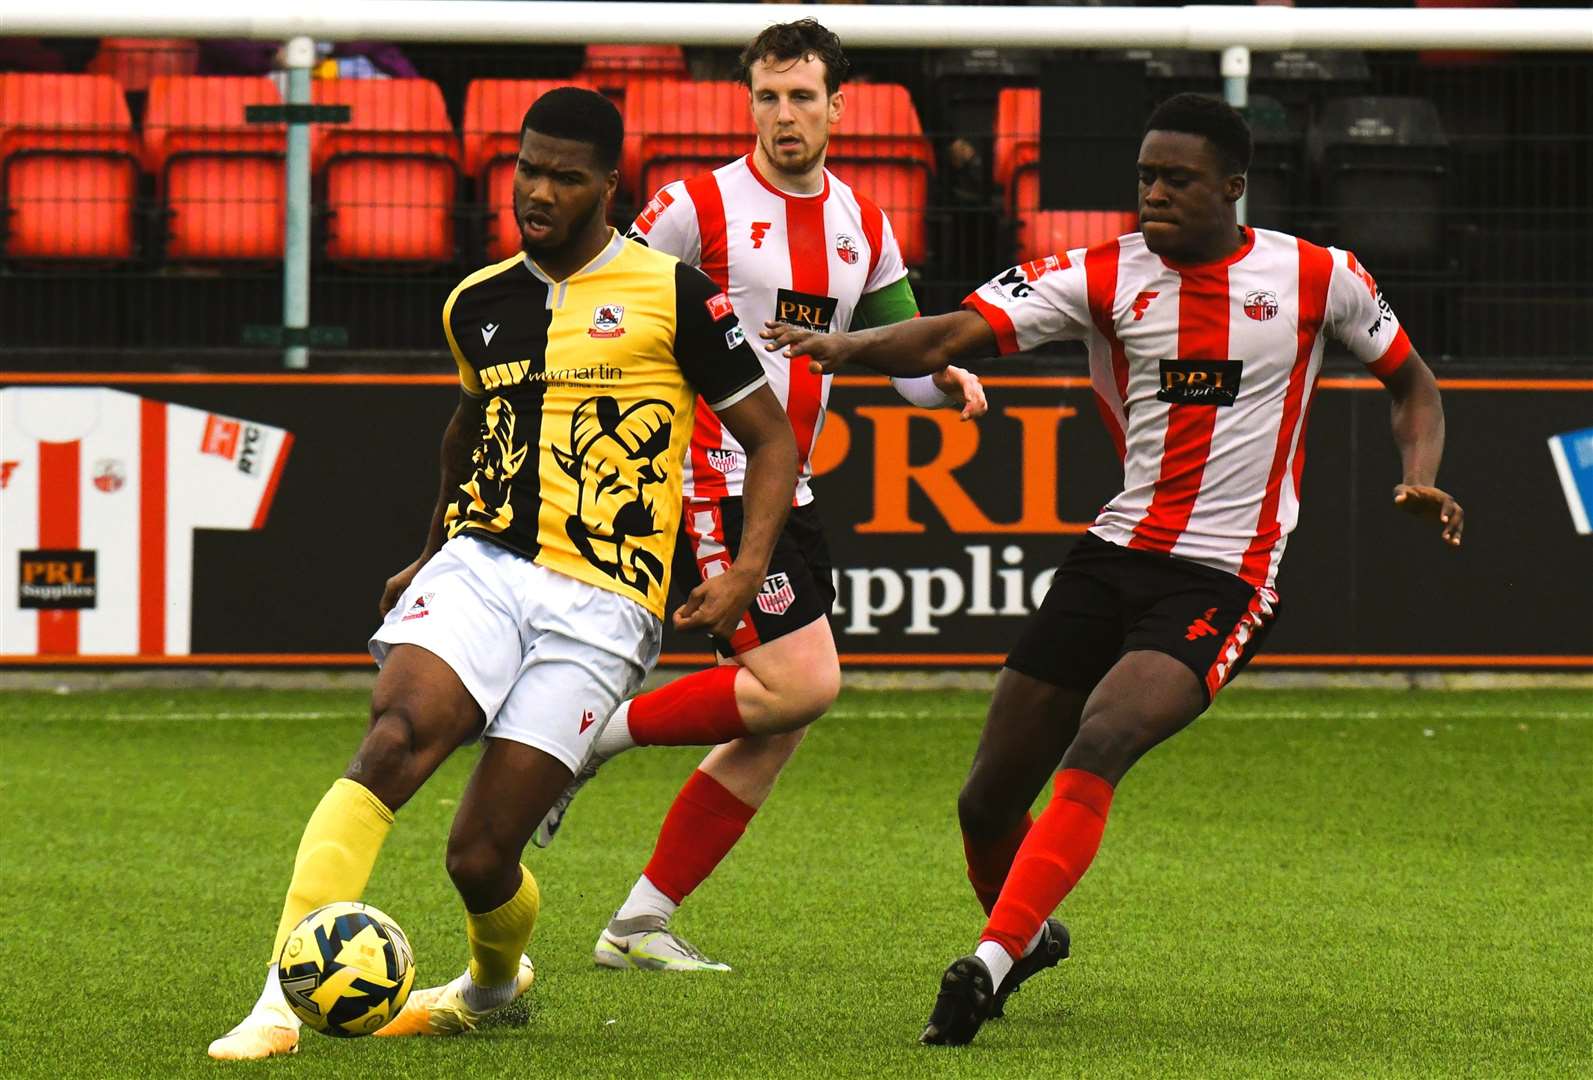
(1205, 343)
(786, 240)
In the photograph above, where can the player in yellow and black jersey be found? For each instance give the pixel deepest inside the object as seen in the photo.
(588, 384)
(535, 607)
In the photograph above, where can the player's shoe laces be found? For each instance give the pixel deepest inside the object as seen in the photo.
(441, 1010)
(648, 943)
(548, 827)
(966, 994)
(1051, 950)
(264, 1033)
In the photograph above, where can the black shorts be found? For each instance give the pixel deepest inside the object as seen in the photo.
(1107, 600)
(799, 588)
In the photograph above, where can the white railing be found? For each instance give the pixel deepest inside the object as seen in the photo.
(1195, 27)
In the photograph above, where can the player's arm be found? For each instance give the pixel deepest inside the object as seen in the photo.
(714, 355)
(1417, 417)
(951, 386)
(916, 347)
(458, 442)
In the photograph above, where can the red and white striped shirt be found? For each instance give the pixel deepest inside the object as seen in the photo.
(802, 259)
(1204, 376)
(100, 492)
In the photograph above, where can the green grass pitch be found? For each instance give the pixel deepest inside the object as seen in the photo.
(1304, 884)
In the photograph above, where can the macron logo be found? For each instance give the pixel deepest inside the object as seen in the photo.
(487, 331)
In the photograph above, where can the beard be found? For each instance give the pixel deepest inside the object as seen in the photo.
(794, 166)
(556, 240)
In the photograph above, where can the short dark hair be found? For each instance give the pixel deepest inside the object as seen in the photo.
(1212, 118)
(796, 41)
(571, 112)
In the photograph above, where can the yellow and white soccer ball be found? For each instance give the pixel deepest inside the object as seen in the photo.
(346, 969)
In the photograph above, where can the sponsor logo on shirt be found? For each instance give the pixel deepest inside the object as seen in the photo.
(56, 579)
(759, 229)
(776, 594)
(109, 475)
(419, 608)
(734, 336)
(655, 206)
(804, 310)
(606, 319)
(719, 306)
(220, 437)
(846, 249)
(1035, 269)
(1200, 382)
(6, 469)
(1141, 304)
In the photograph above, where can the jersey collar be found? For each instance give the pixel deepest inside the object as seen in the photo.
(786, 195)
(615, 245)
(1238, 253)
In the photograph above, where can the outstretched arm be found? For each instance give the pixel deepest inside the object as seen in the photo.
(950, 387)
(1417, 418)
(459, 439)
(916, 347)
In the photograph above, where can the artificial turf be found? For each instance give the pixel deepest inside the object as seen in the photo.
(1304, 884)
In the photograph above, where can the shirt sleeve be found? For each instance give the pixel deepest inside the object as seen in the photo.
(710, 346)
(1360, 319)
(235, 464)
(889, 266)
(469, 381)
(1043, 300)
(668, 223)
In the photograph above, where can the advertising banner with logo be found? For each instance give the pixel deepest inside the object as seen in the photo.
(254, 520)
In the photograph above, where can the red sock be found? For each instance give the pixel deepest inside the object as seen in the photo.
(696, 710)
(988, 864)
(702, 825)
(1051, 860)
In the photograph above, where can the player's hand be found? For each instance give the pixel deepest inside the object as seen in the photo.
(398, 583)
(964, 389)
(824, 352)
(1431, 502)
(718, 604)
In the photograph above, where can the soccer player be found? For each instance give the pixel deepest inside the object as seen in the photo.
(580, 361)
(1205, 343)
(786, 239)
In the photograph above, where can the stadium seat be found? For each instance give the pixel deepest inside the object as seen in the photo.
(494, 110)
(1016, 169)
(68, 167)
(1383, 162)
(663, 60)
(879, 148)
(219, 177)
(390, 174)
(136, 62)
(677, 129)
(1273, 190)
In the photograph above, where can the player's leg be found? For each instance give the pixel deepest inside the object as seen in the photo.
(436, 672)
(511, 788)
(711, 812)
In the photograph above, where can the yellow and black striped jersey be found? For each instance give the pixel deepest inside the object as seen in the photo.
(589, 386)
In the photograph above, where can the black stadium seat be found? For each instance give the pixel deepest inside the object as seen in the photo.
(1383, 162)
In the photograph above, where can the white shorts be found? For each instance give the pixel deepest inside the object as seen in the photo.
(548, 658)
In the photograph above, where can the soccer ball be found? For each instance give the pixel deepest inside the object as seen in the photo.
(346, 969)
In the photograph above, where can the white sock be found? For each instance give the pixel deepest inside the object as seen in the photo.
(645, 899)
(997, 959)
(1034, 941)
(482, 999)
(615, 737)
(272, 1006)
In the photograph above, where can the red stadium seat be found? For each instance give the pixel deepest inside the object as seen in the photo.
(136, 62)
(664, 60)
(220, 177)
(68, 167)
(674, 130)
(879, 148)
(390, 174)
(1016, 168)
(494, 109)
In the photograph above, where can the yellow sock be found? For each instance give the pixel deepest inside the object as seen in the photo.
(499, 936)
(338, 849)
